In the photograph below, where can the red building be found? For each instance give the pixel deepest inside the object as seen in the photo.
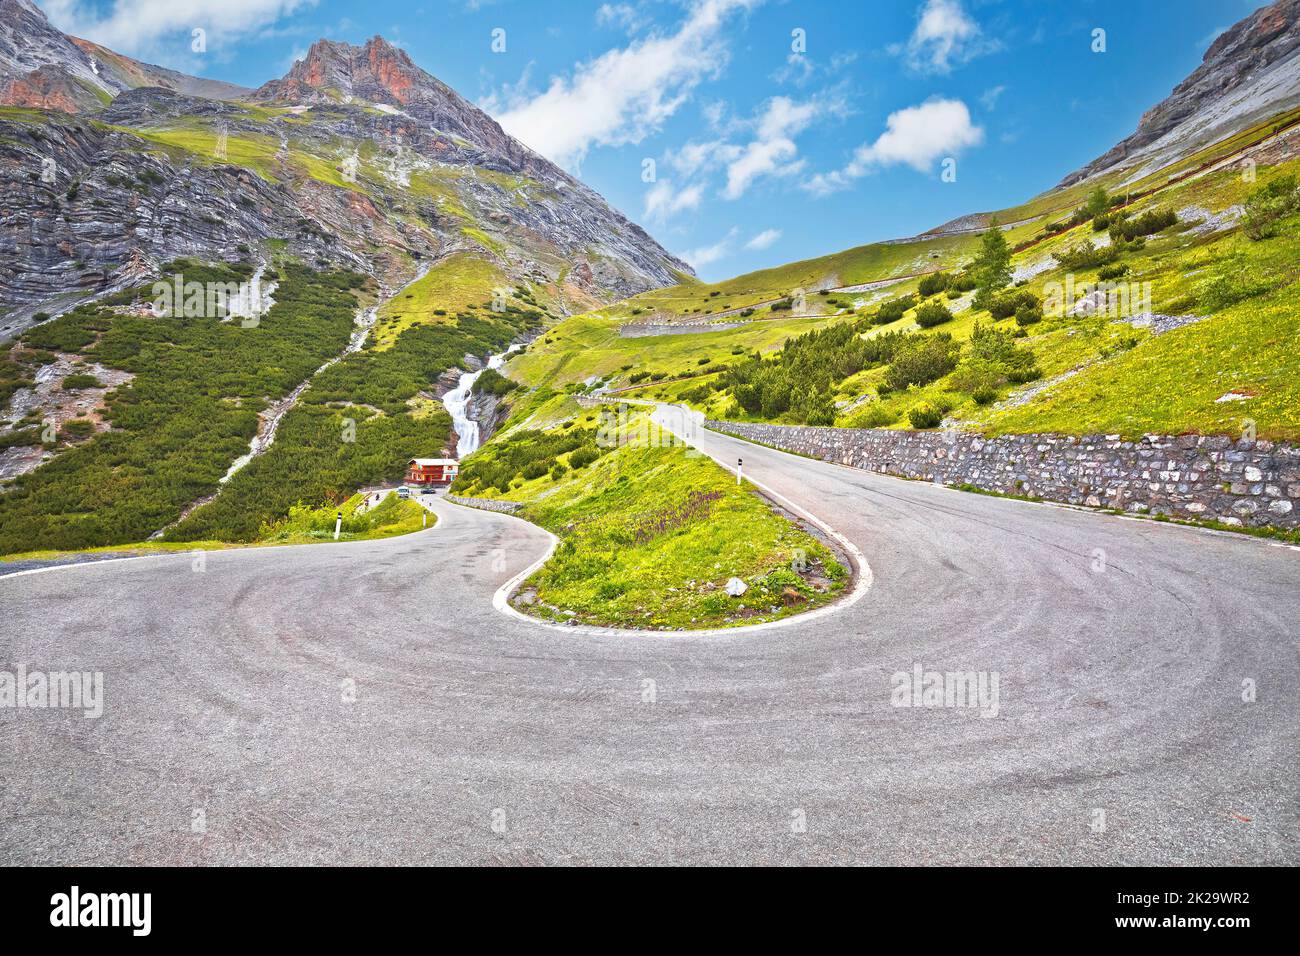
(432, 471)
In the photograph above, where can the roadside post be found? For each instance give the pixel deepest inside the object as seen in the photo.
(338, 525)
(740, 462)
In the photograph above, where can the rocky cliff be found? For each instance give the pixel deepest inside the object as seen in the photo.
(1251, 72)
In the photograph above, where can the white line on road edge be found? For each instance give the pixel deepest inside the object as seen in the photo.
(862, 581)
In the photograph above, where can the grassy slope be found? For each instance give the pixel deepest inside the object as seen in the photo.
(850, 267)
(590, 345)
(458, 282)
(649, 536)
(1125, 379)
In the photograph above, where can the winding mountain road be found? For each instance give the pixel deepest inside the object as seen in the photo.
(364, 703)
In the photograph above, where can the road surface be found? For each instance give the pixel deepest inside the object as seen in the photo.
(364, 703)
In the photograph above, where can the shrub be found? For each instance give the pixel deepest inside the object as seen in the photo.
(1149, 223)
(1022, 375)
(962, 282)
(79, 381)
(933, 283)
(874, 417)
(932, 314)
(1269, 203)
(1229, 285)
(492, 382)
(925, 416)
(559, 471)
(536, 469)
(1086, 256)
(925, 359)
(583, 457)
(1112, 272)
(1009, 303)
(893, 310)
(77, 428)
(1028, 315)
(984, 394)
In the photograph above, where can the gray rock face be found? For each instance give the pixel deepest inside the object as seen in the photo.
(89, 204)
(1189, 477)
(1251, 72)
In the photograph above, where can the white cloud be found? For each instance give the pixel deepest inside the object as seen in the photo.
(773, 151)
(945, 34)
(989, 98)
(764, 239)
(624, 94)
(135, 26)
(707, 255)
(915, 136)
(622, 15)
(663, 200)
(697, 157)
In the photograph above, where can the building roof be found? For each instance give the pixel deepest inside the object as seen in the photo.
(426, 462)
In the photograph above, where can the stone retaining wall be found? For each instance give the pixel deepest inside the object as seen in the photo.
(487, 504)
(1192, 477)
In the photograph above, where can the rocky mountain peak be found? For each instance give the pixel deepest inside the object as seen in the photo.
(376, 73)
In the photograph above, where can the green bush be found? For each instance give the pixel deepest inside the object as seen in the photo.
(492, 382)
(932, 314)
(984, 394)
(1086, 255)
(1232, 282)
(893, 310)
(1149, 223)
(1269, 203)
(1007, 304)
(78, 381)
(925, 416)
(1112, 272)
(933, 283)
(1028, 315)
(923, 359)
(77, 428)
(584, 456)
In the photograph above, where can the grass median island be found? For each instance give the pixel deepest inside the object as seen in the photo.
(649, 536)
(391, 517)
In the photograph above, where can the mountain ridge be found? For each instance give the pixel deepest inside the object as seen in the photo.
(356, 157)
(1248, 72)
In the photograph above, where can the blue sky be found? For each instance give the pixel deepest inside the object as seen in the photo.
(747, 133)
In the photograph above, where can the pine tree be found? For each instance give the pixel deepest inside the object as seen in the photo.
(992, 266)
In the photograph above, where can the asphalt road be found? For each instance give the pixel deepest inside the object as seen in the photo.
(364, 703)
